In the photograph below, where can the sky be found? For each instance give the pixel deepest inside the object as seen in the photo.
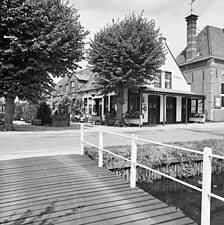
(169, 16)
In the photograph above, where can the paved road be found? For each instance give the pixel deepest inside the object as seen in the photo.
(26, 144)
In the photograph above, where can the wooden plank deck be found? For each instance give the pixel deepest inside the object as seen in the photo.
(72, 190)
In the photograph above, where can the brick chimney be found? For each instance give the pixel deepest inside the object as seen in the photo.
(191, 36)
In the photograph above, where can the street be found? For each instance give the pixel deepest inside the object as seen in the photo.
(26, 144)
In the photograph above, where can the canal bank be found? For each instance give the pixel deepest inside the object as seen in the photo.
(187, 199)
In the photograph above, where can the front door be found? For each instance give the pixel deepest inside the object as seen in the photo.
(183, 112)
(170, 110)
(154, 109)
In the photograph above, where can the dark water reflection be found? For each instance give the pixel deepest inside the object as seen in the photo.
(187, 199)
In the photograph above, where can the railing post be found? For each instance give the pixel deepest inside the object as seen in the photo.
(81, 138)
(206, 187)
(100, 162)
(133, 160)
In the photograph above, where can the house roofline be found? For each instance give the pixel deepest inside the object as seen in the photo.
(201, 59)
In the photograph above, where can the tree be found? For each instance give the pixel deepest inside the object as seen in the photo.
(126, 54)
(44, 113)
(38, 40)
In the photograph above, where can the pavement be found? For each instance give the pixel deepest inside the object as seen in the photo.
(32, 141)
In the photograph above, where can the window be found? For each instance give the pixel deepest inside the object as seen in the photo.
(106, 104)
(90, 109)
(72, 85)
(85, 105)
(157, 82)
(222, 94)
(168, 80)
(113, 102)
(66, 88)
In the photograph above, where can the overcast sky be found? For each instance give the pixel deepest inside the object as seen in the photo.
(168, 15)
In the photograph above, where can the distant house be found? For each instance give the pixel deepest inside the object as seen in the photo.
(202, 63)
(70, 85)
(167, 99)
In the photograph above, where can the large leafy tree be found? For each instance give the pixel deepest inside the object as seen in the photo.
(38, 40)
(126, 54)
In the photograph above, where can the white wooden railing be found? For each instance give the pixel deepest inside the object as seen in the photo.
(206, 176)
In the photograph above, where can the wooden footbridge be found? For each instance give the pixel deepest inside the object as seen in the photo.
(73, 190)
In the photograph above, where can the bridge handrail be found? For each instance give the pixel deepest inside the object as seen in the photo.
(207, 167)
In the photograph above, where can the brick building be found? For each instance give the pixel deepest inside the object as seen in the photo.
(70, 85)
(202, 63)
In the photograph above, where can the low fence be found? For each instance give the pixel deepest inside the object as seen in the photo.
(206, 175)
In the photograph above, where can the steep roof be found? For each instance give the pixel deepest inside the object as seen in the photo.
(82, 75)
(92, 84)
(210, 42)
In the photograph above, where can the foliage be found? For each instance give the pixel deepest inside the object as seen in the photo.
(38, 39)
(127, 53)
(77, 109)
(78, 106)
(132, 114)
(44, 113)
(155, 156)
(199, 115)
(18, 112)
(30, 111)
(61, 104)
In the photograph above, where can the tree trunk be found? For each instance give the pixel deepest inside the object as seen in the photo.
(120, 103)
(9, 111)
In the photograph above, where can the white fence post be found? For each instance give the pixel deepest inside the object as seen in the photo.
(133, 160)
(206, 187)
(100, 162)
(81, 138)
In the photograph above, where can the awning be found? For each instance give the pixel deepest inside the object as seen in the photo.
(172, 92)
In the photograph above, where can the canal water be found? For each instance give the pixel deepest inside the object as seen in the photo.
(189, 200)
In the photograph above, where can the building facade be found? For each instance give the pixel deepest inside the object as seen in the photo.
(202, 63)
(71, 85)
(167, 99)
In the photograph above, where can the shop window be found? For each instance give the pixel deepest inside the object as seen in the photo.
(222, 94)
(168, 80)
(134, 102)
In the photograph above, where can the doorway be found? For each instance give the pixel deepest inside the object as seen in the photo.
(170, 110)
(154, 109)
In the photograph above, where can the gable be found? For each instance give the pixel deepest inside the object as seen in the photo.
(178, 80)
